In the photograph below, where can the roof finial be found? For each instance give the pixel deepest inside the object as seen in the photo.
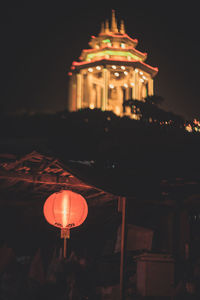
(122, 27)
(102, 28)
(114, 22)
(107, 30)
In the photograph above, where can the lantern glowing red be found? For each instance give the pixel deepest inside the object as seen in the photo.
(65, 210)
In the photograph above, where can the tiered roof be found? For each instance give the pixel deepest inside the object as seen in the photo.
(111, 45)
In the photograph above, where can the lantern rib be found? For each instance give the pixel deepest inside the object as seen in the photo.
(53, 208)
(69, 208)
(83, 212)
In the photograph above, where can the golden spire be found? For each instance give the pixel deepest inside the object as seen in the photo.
(114, 22)
(102, 28)
(122, 27)
(107, 30)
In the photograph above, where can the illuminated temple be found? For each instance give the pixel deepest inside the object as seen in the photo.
(111, 72)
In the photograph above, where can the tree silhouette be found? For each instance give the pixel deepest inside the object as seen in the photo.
(148, 110)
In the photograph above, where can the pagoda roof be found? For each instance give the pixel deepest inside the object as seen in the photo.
(136, 64)
(132, 50)
(103, 52)
(120, 35)
(117, 36)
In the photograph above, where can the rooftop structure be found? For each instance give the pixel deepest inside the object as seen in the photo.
(111, 72)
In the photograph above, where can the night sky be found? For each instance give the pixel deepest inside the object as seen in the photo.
(40, 39)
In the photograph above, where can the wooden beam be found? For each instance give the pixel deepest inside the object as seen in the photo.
(42, 179)
(123, 247)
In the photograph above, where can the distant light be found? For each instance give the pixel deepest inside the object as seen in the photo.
(90, 70)
(144, 77)
(132, 84)
(111, 86)
(123, 68)
(136, 70)
(106, 41)
(125, 73)
(114, 67)
(70, 73)
(98, 68)
(91, 106)
(117, 110)
(141, 73)
(125, 85)
(116, 74)
(188, 128)
(123, 45)
(142, 80)
(107, 56)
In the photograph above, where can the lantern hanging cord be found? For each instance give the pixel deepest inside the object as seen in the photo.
(65, 233)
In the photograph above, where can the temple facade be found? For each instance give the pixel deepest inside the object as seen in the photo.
(111, 72)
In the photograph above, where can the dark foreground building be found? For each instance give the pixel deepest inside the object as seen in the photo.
(161, 231)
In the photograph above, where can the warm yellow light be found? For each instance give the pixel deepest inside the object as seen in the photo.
(91, 106)
(116, 74)
(90, 70)
(123, 45)
(188, 128)
(125, 73)
(114, 67)
(98, 68)
(141, 73)
(144, 77)
(111, 86)
(125, 85)
(136, 70)
(132, 84)
(117, 110)
(123, 68)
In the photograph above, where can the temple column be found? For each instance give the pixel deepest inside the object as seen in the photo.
(90, 89)
(98, 96)
(105, 89)
(150, 87)
(137, 86)
(132, 95)
(79, 90)
(72, 93)
(134, 87)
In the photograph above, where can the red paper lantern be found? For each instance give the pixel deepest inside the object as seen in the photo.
(65, 210)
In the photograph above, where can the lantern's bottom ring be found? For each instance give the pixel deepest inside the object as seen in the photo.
(65, 233)
(67, 226)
